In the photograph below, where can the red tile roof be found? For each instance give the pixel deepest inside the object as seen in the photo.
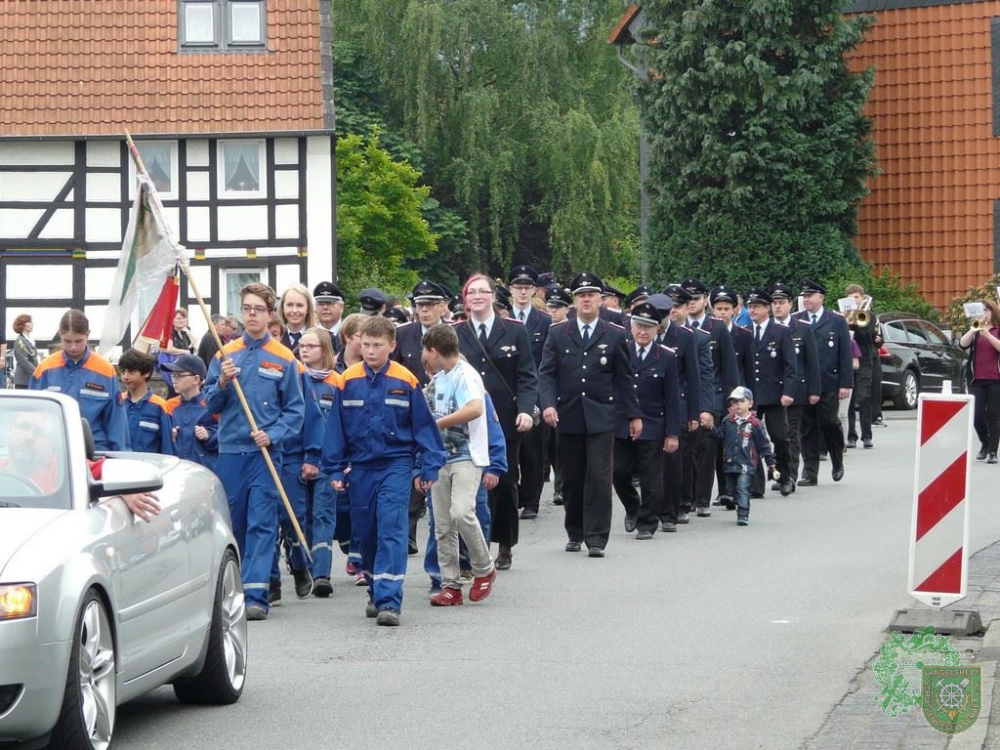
(88, 67)
(930, 213)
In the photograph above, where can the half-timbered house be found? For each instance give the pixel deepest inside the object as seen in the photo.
(231, 105)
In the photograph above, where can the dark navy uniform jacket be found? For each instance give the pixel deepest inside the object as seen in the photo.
(656, 387)
(537, 323)
(806, 361)
(833, 347)
(771, 367)
(409, 348)
(515, 389)
(742, 342)
(586, 384)
(706, 373)
(681, 342)
(725, 373)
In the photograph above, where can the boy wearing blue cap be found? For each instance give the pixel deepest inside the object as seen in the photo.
(744, 443)
(195, 431)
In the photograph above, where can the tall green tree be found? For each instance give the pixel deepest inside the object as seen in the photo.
(760, 150)
(520, 113)
(379, 221)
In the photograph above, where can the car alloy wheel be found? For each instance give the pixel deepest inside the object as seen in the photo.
(87, 718)
(910, 389)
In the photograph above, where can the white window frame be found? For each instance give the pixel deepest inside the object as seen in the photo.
(224, 192)
(233, 274)
(222, 27)
(174, 170)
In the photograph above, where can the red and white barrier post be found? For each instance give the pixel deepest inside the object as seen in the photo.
(939, 531)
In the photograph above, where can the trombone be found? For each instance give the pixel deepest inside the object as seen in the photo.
(861, 316)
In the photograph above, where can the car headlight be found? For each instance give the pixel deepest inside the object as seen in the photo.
(18, 600)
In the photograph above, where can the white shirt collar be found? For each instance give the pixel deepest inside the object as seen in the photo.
(526, 310)
(580, 324)
(763, 327)
(488, 323)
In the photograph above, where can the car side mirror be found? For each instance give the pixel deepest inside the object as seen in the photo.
(125, 476)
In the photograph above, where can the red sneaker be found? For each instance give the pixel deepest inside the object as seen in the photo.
(481, 587)
(447, 597)
(352, 569)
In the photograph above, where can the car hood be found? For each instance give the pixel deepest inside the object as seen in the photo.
(19, 525)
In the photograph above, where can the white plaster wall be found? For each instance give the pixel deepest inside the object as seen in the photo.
(197, 153)
(286, 151)
(286, 184)
(104, 225)
(33, 186)
(35, 152)
(242, 222)
(286, 219)
(103, 154)
(319, 217)
(60, 226)
(103, 187)
(39, 282)
(198, 224)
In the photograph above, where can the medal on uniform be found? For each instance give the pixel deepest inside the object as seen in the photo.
(604, 360)
(773, 354)
(830, 344)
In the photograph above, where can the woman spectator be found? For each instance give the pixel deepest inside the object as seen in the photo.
(180, 343)
(89, 378)
(982, 375)
(25, 353)
(297, 312)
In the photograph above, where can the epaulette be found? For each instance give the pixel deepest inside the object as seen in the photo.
(671, 349)
(696, 331)
(615, 325)
(560, 323)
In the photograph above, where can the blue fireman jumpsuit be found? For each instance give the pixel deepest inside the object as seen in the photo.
(301, 447)
(384, 432)
(268, 374)
(93, 382)
(149, 424)
(324, 510)
(190, 414)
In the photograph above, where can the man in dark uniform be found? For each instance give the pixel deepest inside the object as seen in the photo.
(725, 378)
(522, 281)
(558, 301)
(638, 295)
(723, 300)
(612, 299)
(681, 341)
(833, 347)
(807, 382)
(430, 300)
(586, 370)
(500, 350)
(692, 442)
(373, 301)
(771, 376)
(329, 310)
(659, 399)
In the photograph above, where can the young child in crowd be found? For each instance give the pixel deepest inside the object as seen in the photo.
(744, 444)
(195, 432)
(149, 423)
(384, 433)
(457, 400)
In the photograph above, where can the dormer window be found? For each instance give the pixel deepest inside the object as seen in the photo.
(222, 25)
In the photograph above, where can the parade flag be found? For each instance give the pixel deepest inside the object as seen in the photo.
(149, 254)
(156, 330)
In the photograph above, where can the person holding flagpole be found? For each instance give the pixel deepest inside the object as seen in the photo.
(268, 375)
(89, 378)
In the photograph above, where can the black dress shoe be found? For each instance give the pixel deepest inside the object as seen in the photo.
(838, 473)
(573, 546)
(992, 458)
(503, 557)
(806, 482)
(867, 443)
(557, 499)
(981, 456)
(683, 518)
(412, 549)
(851, 443)
(756, 496)
(630, 523)
(787, 489)
(595, 552)
(528, 514)
(776, 486)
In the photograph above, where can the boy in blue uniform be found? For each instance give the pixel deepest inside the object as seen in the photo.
(383, 431)
(744, 444)
(149, 424)
(269, 377)
(196, 431)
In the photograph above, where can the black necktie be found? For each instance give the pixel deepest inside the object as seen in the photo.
(695, 324)
(756, 337)
(294, 338)
(482, 334)
(642, 353)
(586, 334)
(814, 319)
(520, 316)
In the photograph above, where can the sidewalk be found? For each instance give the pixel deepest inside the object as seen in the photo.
(858, 722)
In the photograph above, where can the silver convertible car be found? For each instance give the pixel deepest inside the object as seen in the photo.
(97, 606)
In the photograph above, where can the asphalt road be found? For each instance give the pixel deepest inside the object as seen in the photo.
(714, 637)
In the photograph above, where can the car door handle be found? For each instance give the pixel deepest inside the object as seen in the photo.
(175, 518)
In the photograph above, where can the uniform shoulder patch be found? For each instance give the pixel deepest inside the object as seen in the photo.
(279, 350)
(159, 401)
(560, 323)
(97, 363)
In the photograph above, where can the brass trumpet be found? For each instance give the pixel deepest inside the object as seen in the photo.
(976, 325)
(862, 316)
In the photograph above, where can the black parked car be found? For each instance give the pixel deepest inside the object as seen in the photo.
(917, 356)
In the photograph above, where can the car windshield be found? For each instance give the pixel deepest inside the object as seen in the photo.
(33, 457)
